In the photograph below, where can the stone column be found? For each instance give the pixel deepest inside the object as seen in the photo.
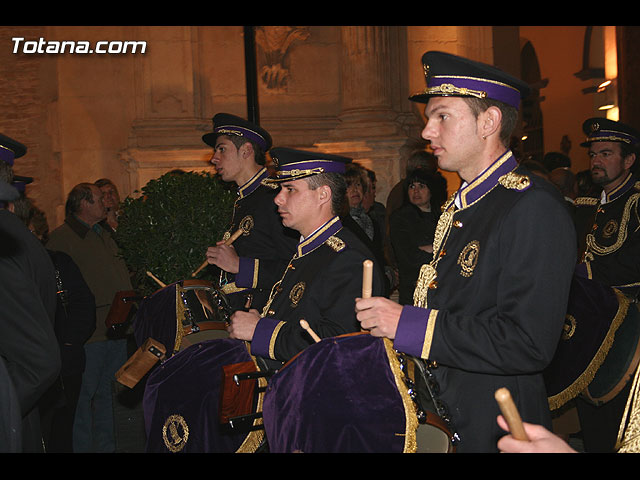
(371, 128)
(166, 133)
(366, 83)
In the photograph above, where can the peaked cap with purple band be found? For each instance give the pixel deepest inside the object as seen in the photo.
(451, 75)
(293, 164)
(228, 124)
(606, 130)
(10, 149)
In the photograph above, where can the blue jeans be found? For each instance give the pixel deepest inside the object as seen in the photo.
(93, 427)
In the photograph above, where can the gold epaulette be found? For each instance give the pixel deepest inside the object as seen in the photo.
(515, 181)
(587, 201)
(335, 243)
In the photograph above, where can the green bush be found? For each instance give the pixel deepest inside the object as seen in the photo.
(167, 229)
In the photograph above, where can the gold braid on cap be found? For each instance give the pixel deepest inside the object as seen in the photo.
(450, 89)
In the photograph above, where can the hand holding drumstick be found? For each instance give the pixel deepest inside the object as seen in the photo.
(510, 414)
(227, 242)
(525, 437)
(367, 279)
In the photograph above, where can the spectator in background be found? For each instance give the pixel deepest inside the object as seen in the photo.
(565, 180)
(553, 160)
(96, 254)
(412, 228)
(74, 324)
(111, 201)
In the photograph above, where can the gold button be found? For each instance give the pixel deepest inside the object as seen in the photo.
(457, 224)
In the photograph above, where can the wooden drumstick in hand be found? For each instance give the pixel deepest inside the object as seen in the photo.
(367, 278)
(511, 414)
(304, 324)
(229, 241)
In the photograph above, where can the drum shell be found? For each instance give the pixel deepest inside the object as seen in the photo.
(343, 394)
(182, 401)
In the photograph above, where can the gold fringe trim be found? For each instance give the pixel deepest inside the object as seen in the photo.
(179, 319)
(254, 438)
(629, 433)
(582, 382)
(410, 413)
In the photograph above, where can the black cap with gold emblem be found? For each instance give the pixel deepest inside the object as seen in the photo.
(228, 124)
(291, 164)
(450, 75)
(606, 130)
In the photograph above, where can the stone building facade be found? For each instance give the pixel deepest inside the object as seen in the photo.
(133, 115)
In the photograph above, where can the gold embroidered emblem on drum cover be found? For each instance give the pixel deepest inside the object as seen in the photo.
(468, 258)
(175, 433)
(569, 327)
(296, 293)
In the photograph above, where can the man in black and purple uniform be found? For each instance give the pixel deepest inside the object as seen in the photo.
(609, 231)
(489, 308)
(324, 276)
(254, 261)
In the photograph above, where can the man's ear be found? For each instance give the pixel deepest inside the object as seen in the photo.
(246, 150)
(491, 121)
(629, 160)
(324, 193)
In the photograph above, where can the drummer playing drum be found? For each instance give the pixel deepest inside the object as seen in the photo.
(488, 310)
(253, 263)
(324, 276)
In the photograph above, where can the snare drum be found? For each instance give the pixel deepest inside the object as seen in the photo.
(182, 314)
(347, 394)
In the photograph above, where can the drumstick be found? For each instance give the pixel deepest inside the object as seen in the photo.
(229, 241)
(304, 324)
(367, 276)
(156, 279)
(510, 414)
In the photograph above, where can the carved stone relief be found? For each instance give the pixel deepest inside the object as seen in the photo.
(275, 42)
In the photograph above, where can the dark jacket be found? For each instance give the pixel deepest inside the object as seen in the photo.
(27, 339)
(320, 285)
(493, 315)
